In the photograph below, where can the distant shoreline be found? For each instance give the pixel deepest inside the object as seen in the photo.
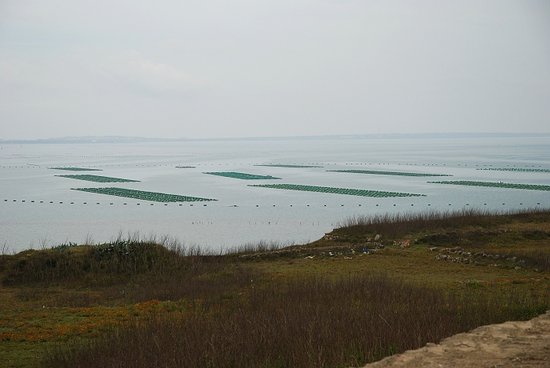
(126, 140)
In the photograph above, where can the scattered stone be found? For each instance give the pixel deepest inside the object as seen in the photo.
(405, 243)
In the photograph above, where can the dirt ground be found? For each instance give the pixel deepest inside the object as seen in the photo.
(505, 345)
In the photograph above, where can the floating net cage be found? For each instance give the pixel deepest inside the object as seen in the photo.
(72, 168)
(143, 195)
(516, 169)
(382, 172)
(98, 178)
(291, 166)
(347, 191)
(240, 175)
(495, 185)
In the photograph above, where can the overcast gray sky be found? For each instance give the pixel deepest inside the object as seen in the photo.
(219, 68)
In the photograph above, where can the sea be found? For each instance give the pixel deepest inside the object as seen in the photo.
(40, 209)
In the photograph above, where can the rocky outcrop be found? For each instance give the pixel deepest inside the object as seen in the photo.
(511, 344)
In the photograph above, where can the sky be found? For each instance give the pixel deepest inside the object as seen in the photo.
(258, 68)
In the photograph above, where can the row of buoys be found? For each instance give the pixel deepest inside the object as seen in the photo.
(234, 205)
(86, 203)
(20, 167)
(529, 168)
(74, 168)
(332, 190)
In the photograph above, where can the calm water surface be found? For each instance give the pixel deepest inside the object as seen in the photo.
(244, 214)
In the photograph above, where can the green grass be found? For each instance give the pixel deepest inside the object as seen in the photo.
(495, 185)
(381, 172)
(140, 194)
(347, 191)
(98, 178)
(240, 175)
(324, 304)
(71, 168)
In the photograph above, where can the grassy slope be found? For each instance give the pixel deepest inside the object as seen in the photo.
(39, 311)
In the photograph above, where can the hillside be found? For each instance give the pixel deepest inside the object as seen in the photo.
(373, 288)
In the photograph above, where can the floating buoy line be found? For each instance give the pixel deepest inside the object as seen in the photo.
(305, 205)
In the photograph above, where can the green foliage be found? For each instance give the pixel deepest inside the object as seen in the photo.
(86, 262)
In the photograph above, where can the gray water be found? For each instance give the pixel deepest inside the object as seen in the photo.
(244, 214)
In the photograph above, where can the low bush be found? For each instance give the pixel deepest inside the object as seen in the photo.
(303, 323)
